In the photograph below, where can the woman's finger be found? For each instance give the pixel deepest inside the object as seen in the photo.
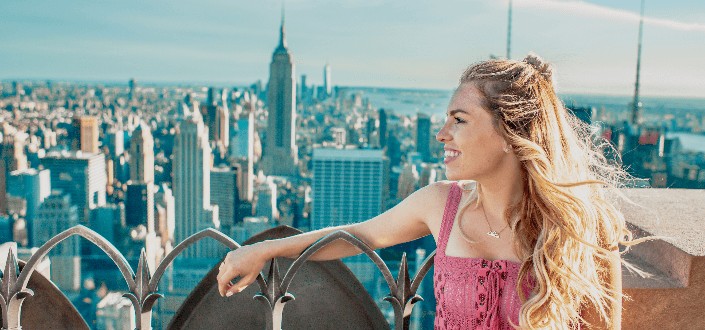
(240, 285)
(224, 281)
(221, 271)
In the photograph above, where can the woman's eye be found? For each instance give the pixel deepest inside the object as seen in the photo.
(458, 120)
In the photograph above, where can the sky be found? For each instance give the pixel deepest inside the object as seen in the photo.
(408, 44)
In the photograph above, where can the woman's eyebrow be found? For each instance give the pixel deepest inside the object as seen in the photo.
(452, 112)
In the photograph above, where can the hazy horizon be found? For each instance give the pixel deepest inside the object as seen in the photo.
(226, 84)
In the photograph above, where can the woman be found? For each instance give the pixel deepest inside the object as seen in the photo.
(527, 235)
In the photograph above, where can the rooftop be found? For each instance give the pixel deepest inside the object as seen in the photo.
(72, 154)
(347, 154)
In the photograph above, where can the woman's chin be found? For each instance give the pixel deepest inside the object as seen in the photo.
(455, 176)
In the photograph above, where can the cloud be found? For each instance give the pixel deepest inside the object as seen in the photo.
(589, 9)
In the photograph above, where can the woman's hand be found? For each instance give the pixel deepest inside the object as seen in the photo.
(245, 262)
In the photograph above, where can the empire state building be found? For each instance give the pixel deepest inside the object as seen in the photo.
(281, 154)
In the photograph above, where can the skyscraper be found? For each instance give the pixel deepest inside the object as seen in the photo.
(166, 219)
(281, 155)
(142, 155)
(394, 149)
(222, 123)
(139, 205)
(347, 186)
(12, 149)
(85, 135)
(428, 175)
(105, 220)
(242, 137)
(55, 215)
(33, 186)
(267, 200)
(12, 158)
(115, 141)
(6, 229)
(224, 193)
(81, 175)
(408, 181)
(210, 111)
(372, 135)
(303, 91)
(326, 80)
(132, 89)
(423, 136)
(242, 148)
(339, 136)
(191, 185)
(382, 128)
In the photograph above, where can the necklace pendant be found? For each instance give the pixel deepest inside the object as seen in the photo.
(493, 234)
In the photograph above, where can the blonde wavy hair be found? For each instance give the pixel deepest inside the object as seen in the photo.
(567, 226)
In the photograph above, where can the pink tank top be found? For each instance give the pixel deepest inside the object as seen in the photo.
(473, 293)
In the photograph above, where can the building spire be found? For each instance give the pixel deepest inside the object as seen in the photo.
(636, 104)
(282, 31)
(509, 31)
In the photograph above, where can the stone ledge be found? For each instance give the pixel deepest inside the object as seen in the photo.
(677, 216)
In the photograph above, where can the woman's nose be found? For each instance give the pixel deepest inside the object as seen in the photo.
(442, 135)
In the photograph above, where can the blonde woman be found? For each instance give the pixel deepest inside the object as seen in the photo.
(527, 235)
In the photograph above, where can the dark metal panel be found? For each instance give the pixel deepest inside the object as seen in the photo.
(328, 296)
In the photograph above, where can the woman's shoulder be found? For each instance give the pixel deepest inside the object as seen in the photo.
(430, 201)
(440, 190)
(438, 187)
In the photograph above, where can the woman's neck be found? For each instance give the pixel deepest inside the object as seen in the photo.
(500, 189)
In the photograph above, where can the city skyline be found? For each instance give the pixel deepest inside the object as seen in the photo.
(375, 43)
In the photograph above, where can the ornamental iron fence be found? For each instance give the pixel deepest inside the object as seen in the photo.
(143, 284)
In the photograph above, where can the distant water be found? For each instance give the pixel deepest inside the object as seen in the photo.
(405, 101)
(692, 142)
(651, 105)
(412, 101)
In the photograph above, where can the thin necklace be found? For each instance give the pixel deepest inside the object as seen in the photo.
(492, 233)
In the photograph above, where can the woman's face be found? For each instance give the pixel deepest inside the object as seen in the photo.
(473, 147)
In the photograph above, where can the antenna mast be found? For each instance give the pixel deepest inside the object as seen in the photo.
(636, 106)
(509, 30)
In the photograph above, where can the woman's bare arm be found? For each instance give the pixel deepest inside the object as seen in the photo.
(404, 222)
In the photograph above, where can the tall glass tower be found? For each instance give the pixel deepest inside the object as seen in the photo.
(349, 186)
(191, 184)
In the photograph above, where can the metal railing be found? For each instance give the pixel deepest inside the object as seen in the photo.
(143, 285)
